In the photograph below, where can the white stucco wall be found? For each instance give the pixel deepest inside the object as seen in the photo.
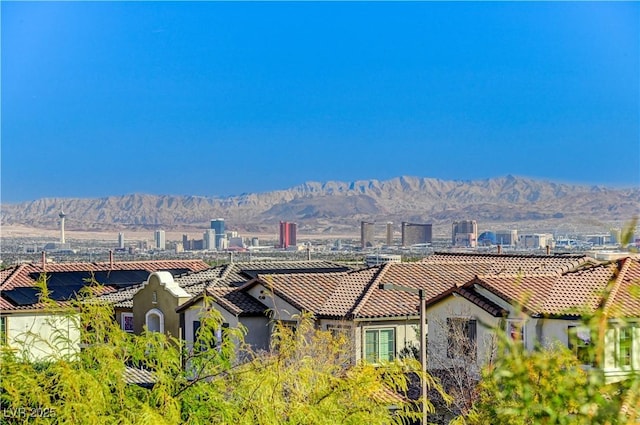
(458, 307)
(281, 309)
(40, 336)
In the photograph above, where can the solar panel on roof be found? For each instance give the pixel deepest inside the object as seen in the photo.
(22, 296)
(65, 293)
(120, 278)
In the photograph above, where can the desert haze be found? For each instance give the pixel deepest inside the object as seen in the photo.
(336, 208)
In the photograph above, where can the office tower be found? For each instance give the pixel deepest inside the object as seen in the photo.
(185, 243)
(389, 240)
(120, 240)
(159, 239)
(218, 225)
(416, 233)
(209, 240)
(465, 233)
(366, 234)
(288, 234)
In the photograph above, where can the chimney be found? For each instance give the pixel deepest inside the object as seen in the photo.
(44, 261)
(499, 249)
(111, 259)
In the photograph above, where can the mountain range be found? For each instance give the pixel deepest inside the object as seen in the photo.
(334, 206)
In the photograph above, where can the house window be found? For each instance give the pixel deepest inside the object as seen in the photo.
(154, 320)
(380, 345)
(461, 338)
(3, 330)
(215, 341)
(515, 330)
(579, 343)
(625, 344)
(126, 322)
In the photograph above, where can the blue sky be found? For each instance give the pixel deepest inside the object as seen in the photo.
(222, 98)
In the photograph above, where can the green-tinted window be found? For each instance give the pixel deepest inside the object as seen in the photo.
(380, 345)
(625, 338)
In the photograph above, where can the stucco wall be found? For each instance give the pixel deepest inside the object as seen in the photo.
(166, 302)
(37, 336)
(281, 309)
(458, 307)
(407, 332)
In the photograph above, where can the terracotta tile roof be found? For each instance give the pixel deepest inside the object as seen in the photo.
(514, 263)
(137, 376)
(433, 278)
(550, 285)
(572, 293)
(229, 275)
(237, 302)
(234, 300)
(625, 295)
(481, 301)
(346, 295)
(25, 276)
(305, 291)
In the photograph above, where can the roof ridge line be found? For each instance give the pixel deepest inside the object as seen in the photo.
(615, 286)
(10, 278)
(366, 294)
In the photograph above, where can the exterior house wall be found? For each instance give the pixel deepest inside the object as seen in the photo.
(38, 336)
(406, 333)
(164, 300)
(281, 309)
(458, 307)
(258, 331)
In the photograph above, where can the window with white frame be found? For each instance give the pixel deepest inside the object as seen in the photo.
(154, 319)
(461, 338)
(625, 346)
(126, 322)
(380, 345)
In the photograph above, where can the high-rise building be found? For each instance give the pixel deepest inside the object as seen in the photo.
(507, 237)
(120, 240)
(389, 240)
(218, 225)
(416, 233)
(288, 234)
(464, 233)
(159, 239)
(209, 240)
(367, 234)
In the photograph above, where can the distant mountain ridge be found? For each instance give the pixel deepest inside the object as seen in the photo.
(334, 205)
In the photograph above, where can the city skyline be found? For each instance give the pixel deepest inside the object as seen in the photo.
(219, 99)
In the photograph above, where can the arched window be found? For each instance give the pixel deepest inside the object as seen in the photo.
(154, 320)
